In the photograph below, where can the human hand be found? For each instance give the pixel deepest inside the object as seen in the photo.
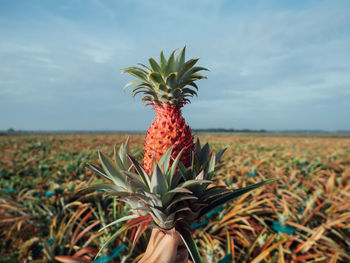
(165, 247)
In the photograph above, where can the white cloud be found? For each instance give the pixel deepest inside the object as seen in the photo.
(99, 55)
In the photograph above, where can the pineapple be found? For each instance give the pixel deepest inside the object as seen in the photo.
(167, 86)
(174, 187)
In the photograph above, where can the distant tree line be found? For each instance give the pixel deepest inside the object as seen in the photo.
(12, 131)
(222, 130)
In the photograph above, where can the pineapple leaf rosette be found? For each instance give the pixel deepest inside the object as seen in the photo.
(173, 187)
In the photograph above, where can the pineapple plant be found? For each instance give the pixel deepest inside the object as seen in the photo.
(167, 86)
(175, 186)
(171, 197)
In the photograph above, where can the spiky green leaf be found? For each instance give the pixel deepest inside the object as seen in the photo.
(162, 61)
(190, 244)
(165, 161)
(176, 200)
(219, 155)
(231, 195)
(171, 80)
(119, 163)
(112, 170)
(170, 65)
(123, 153)
(104, 187)
(156, 77)
(195, 182)
(122, 219)
(175, 177)
(133, 82)
(180, 58)
(211, 167)
(94, 169)
(140, 171)
(158, 182)
(204, 154)
(154, 65)
(186, 67)
(168, 196)
(136, 73)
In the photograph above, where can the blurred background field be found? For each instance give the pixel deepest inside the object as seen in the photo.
(303, 217)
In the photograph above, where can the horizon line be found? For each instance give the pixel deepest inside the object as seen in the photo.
(213, 130)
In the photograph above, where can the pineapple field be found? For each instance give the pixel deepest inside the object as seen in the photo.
(304, 216)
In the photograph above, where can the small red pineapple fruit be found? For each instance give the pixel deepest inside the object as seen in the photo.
(167, 86)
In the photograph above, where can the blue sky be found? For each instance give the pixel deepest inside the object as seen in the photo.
(273, 64)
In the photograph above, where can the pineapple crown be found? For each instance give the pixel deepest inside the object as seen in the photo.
(171, 81)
